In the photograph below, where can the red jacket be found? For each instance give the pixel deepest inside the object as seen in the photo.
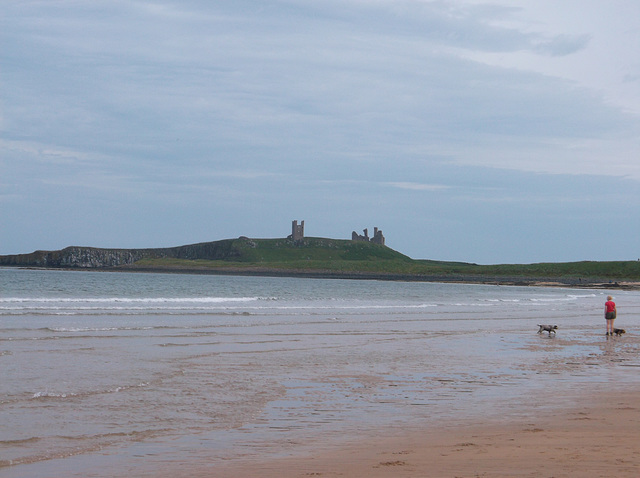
(610, 306)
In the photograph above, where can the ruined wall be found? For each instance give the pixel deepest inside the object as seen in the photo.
(378, 237)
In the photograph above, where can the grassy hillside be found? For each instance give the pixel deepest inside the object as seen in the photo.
(320, 257)
(313, 254)
(584, 269)
(317, 255)
(313, 249)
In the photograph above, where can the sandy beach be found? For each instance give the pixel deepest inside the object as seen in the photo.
(598, 437)
(233, 377)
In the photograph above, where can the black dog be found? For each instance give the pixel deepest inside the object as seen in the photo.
(619, 332)
(547, 328)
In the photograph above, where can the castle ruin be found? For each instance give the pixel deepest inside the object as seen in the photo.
(297, 234)
(297, 231)
(377, 238)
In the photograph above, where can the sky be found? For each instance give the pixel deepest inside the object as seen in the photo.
(466, 130)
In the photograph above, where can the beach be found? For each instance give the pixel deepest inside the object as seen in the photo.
(564, 428)
(598, 437)
(121, 375)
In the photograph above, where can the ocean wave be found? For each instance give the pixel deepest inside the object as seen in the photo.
(567, 298)
(52, 395)
(65, 446)
(95, 329)
(125, 300)
(57, 395)
(245, 306)
(65, 306)
(20, 441)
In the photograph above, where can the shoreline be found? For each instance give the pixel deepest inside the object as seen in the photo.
(595, 437)
(417, 382)
(569, 282)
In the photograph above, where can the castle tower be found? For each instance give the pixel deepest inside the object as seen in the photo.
(377, 238)
(297, 231)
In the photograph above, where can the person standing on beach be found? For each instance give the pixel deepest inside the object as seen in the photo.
(609, 314)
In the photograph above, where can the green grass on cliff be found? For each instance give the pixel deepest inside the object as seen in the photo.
(317, 256)
(313, 249)
(313, 254)
(344, 256)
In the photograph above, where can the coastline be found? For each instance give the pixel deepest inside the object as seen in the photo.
(596, 437)
(566, 282)
(314, 257)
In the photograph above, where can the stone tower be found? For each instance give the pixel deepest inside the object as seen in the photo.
(297, 231)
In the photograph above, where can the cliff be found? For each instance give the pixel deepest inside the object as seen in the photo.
(321, 257)
(241, 250)
(92, 257)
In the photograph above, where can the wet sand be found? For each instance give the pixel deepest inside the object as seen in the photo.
(598, 437)
(480, 405)
(340, 379)
(586, 424)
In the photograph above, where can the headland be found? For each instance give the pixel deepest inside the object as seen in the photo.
(326, 258)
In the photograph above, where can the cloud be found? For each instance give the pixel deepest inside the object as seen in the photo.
(418, 186)
(197, 85)
(562, 45)
(144, 105)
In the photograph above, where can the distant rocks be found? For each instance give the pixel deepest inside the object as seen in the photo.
(96, 258)
(76, 257)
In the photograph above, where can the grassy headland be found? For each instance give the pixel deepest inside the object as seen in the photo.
(320, 257)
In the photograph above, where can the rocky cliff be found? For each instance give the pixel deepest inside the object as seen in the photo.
(92, 257)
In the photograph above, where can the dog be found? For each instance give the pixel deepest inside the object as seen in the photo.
(619, 332)
(547, 328)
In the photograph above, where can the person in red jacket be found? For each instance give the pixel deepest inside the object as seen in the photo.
(610, 314)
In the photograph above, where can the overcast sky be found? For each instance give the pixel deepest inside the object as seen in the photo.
(496, 131)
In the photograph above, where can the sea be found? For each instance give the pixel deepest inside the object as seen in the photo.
(108, 374)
